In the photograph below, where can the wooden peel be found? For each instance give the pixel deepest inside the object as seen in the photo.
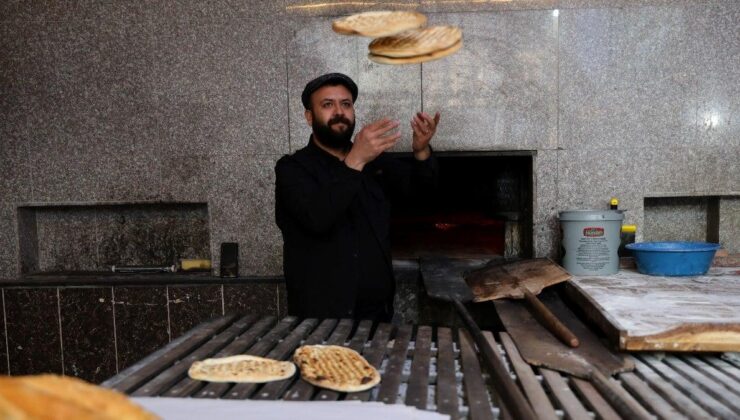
(523, 279)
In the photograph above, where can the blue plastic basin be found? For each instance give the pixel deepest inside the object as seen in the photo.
(675, 258)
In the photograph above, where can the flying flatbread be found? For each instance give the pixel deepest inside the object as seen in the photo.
(336, 368)
(380, 23)
(416, 45)
(241, 368)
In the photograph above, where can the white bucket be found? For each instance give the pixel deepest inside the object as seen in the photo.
(591, 240)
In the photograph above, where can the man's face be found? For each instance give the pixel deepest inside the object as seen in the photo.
(332, 116)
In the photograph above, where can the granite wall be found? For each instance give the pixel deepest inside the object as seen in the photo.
(190, 101)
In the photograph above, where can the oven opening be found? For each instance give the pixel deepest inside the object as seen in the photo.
(481, 207)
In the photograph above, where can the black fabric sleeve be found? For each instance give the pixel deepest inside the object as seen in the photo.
(402, 180)
(315, 207)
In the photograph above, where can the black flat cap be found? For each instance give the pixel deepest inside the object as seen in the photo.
(331, 79)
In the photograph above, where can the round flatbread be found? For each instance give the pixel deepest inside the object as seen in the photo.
(379, 23)
(241, 368)
(64, 397)
(335, 367)
(415, 59)
(417, 42)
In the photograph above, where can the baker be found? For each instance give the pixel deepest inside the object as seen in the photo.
(332, 204)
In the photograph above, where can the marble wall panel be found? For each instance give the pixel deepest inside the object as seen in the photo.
(141, 322)
(24, 11)
(312, 50)
(8, 242)
(67, 239)
(729, 224)
(627, 78)
(545, 198)
(387, 91)
(191, 305)
(675, 219)
(252, 298)
(242, 210)
(500, 90)
(152, 235)
(221, 87)
(436, 6)
(716, 31)
(717, 170)
(88, 333)
(32, 321)
(588, 178)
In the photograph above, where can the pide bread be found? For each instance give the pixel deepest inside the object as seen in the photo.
(379, 23)
(418, 43)
(436, 55)
(241, 368)
(63, 397)
(336, 368)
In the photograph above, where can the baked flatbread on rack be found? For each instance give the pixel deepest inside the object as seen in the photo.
(64, 397)
(380, 23)
(241, 368)
(416, 45)
(335, 367)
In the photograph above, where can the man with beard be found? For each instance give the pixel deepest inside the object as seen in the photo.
(331, 204)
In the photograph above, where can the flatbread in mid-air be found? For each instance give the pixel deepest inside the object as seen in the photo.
(416, 45)
(335, 367)
(379, 23)
(241, 368)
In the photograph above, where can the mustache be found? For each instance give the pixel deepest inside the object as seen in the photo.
(339, 119)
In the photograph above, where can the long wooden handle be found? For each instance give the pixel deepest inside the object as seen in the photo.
(512, 397)
(549, 320)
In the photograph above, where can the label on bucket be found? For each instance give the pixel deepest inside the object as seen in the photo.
(593, 250)
(593, 232)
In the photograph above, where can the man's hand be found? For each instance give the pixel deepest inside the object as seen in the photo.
(424, 127)
(374, 139)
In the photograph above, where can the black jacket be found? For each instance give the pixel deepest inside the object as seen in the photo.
(317, 201)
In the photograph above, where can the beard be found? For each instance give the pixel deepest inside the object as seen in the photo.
(331, 138)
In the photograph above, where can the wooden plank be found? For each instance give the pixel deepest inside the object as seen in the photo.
(697, 313)
(714, 373)
(446, 390)
(476, 395)
(726, 368)
(590, 395)
(528, 380)
(153, 364)
(302, 390)
(282, 351)
(720, 392)
(666, 390)
(274, 390)
(689, 388)
(374, 355)
(564, 396)
(391, 380)
(179, 370)
(649, 398)
(540, 348)
(357, 344)
(509, 280)
(186, 387)
(416, 392)
(264, 345)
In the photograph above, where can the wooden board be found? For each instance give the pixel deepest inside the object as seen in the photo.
(639, 312)
(500, 281)
(540, 348)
